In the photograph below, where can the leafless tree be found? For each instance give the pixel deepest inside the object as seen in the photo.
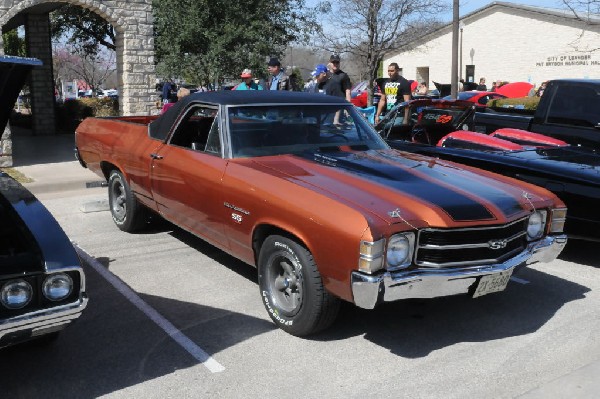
(586, 11)
(72, 62)
(369, 29)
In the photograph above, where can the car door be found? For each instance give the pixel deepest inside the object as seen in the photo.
(187, 174)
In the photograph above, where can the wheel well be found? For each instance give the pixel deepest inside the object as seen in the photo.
(106, 168)
(265, 230)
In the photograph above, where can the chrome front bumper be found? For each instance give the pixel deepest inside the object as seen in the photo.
(370, 290)
(35, 324)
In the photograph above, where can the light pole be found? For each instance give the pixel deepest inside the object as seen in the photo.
(461, 25)
(454, 77)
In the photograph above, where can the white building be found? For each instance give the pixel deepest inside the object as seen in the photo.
(508, 42)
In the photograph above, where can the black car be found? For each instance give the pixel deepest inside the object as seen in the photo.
(443, 129)
(42, 284)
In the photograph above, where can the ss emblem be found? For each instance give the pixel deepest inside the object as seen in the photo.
(236, 217)
(497, 244)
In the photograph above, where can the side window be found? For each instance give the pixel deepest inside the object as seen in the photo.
(213, 144)
(575, 105)
(194, 129)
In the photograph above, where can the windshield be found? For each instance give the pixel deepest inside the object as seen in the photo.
(272, 129)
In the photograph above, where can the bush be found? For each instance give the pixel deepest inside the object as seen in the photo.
(522, 103)
(105, 106)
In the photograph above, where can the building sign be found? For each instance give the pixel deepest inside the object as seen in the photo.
(570, 60)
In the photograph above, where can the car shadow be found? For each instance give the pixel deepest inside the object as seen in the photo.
(29, 149)
(581, 252)
(114, 345)
(415, 328)
(157, 225)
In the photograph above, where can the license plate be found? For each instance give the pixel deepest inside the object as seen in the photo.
(493, 283)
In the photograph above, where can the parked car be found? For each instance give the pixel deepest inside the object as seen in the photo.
(359, 94)
(42, 284)
(569, 110)
(325, 211)
(480, 98)
(443, 129)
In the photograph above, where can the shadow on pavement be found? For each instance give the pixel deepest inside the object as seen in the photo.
(415, 328)
(582, 252)
(114, 346)
(34, 150)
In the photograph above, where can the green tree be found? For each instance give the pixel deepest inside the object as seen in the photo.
(207, 40)
(83, 28)
(13, 44)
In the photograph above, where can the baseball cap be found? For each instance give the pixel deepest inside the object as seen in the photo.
(319, 69)
(334, 57)
(274, 62)
(246, 73)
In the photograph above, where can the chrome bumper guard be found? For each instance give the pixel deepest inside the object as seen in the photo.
(41, 322)
(370, 290)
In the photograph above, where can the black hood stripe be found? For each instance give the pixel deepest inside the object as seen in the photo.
(407, 175)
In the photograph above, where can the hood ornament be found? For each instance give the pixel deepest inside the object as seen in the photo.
(396, 214)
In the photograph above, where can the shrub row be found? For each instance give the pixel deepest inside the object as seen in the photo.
(70, 113)
(526, 103)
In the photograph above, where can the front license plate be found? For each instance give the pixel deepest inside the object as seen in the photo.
(493, 283)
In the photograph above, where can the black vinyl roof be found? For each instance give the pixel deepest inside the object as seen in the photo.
(160, 127)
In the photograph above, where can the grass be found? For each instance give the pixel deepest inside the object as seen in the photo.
(18, 176)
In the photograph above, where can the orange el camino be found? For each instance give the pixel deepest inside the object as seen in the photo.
(326, 212)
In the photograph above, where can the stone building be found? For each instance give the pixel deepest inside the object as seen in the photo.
(134, 27)
(508, 42)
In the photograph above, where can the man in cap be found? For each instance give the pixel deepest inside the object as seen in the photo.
(247, 81)
(321, 79)
(278, 80)
(339, 82)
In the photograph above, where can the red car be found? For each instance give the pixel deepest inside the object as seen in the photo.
(478, 97)
(359, 94)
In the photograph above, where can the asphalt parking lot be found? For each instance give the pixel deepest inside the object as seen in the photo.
(171, 316)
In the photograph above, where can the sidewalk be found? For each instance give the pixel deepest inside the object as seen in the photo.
(49, 161)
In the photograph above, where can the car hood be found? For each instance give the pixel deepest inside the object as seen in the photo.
(397, 186)
(13, 73)
(30, 238)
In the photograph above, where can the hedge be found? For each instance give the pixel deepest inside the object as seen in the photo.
(525, 103)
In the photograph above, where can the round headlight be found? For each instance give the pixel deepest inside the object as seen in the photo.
(535, 226)
(398, 250)
(16, 294)
(57, 287)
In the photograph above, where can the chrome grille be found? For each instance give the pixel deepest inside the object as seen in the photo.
(438, 248)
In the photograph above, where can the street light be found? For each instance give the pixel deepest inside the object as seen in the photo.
(461, 25)
(454, 77)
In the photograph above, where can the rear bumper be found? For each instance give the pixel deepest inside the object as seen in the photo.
(369, 290)
(42, 322)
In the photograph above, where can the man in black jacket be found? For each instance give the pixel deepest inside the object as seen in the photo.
(278, 80)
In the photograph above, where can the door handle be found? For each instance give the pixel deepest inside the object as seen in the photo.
(156, 156)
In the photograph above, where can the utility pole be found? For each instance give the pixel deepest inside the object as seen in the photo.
(454, 78)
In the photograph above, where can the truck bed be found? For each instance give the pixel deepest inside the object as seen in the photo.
(489, 121)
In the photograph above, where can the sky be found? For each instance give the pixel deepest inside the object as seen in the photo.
(467, 6)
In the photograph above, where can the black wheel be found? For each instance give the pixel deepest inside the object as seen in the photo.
(125, 210)
(292, 289)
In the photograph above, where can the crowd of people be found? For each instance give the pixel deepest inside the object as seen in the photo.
(330, 79)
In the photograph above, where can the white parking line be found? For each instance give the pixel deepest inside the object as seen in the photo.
(152, 314)
(519, 280)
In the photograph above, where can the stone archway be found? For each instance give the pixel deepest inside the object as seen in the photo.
(133, 24)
